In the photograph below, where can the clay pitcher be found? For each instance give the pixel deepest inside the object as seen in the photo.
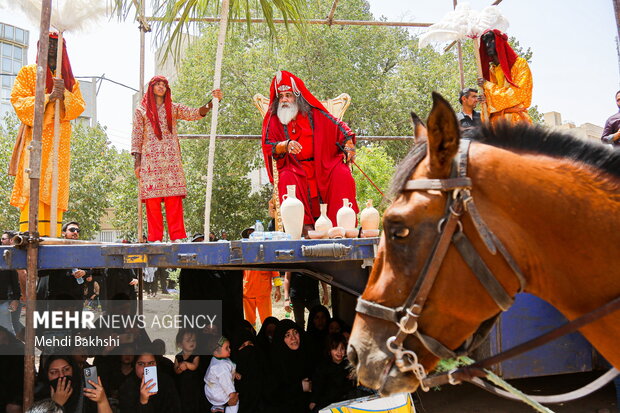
(292, 211)
(346, 215)
(369, 217)
(323, 224)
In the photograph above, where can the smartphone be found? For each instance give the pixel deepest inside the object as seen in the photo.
(150, 373)
(90, 373)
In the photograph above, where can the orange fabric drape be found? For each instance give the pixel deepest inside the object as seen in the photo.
(506, 101)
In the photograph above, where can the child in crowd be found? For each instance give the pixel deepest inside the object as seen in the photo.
(333, 380)
(220, 380)
(185, 365)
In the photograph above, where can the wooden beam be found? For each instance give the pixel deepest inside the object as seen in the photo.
(34, 175)
(311, 21)
(330, 16)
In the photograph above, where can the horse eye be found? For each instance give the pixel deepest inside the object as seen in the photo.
(400, 233)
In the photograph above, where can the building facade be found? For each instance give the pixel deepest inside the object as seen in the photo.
(13, 55)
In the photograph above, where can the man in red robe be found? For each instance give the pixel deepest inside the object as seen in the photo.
(311, 147)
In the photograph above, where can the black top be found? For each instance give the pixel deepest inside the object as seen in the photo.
(9, 285)
(332, 383)
(165, 401)
(468, 122)
(303, 287)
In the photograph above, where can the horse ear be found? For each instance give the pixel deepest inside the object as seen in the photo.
(419, 128)
(443, 136)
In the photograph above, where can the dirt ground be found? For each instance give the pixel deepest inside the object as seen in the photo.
(467, 398)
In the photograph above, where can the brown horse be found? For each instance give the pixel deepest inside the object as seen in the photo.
(552, 200)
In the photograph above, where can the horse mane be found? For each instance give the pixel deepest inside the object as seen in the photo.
(544, 141)
(523, 138)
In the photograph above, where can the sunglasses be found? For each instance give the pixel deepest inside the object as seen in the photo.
(74, 229)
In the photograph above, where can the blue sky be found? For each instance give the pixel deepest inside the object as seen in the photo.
(575, 63)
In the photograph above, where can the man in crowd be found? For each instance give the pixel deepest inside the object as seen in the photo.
(310, 148)
(611, 131)
(63, 284)
(257, 287)
(67, 92)
(468, 117)
(9, 291)
(507, 80)
(157, 157)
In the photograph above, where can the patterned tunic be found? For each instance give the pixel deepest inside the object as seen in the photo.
(22, 98)
(506, 101)
(161, 168)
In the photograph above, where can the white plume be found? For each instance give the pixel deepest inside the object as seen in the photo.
(463, 22)
(67, 15)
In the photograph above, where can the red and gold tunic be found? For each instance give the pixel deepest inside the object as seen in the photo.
(509, 102)
(22, 98)
(161, 169)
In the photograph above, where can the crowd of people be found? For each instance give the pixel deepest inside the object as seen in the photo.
(282, 368)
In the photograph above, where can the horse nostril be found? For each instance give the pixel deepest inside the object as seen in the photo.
(352, 355)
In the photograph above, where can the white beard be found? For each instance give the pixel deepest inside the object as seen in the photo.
(287, 113)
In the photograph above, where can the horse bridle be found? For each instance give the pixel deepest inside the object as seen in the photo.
(450, 230)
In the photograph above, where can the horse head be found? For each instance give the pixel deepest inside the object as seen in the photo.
(393, 344)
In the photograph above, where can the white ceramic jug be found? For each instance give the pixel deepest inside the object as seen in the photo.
(292, 211)
(323, 223)
(346, 215)
(369, 217)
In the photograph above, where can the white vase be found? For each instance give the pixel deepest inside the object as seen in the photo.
(292, 211)
(323, 223)
(346, 215)
(369, 218)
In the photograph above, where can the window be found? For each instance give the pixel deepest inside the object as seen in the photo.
(18, 53)
(19, 35)
(8, 32)
(7, 50)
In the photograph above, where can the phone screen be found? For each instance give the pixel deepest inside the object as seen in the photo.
(90, 373)
(150, 373)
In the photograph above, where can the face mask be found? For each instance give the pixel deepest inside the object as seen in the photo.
(54, 383)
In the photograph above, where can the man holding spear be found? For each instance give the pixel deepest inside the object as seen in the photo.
(67, 92)
(506, 81)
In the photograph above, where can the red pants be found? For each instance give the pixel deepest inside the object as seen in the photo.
(174, 215)
(250, 304)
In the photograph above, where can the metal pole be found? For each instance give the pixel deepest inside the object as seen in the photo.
(140, 271)
(142, 29)
(35, 176)
(310, 21)
(217, 78)
(616, 4)
(459, 53)
(94, 91)
(56, 148)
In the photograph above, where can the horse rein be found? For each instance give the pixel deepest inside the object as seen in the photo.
(450, 230)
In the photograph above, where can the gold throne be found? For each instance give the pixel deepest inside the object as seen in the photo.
(336, 106)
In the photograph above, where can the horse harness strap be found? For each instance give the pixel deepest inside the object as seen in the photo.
(473, 372)
(450, 231)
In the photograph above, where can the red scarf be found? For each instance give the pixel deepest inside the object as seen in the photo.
(149, 103)
(67, 73)
(506, 56)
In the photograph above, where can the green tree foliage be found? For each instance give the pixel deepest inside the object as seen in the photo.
(379, 167)
(9, 215)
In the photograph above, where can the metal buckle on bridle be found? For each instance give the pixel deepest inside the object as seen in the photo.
(451, 378)
(442, 221)
(406, 360)
(402, 323)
